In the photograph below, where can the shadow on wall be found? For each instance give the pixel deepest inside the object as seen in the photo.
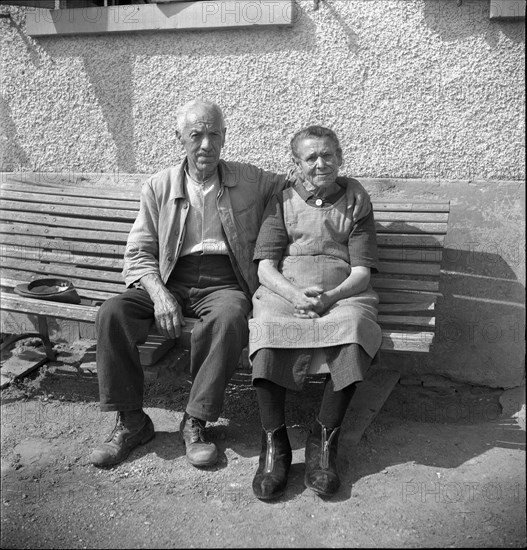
(111, 78)
(480, 323)
(16, 22)
(351, 35)
(10, 148)
(456, 20)
(481, 314)
(109, 63)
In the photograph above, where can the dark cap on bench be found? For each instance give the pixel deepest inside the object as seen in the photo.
(57, 290)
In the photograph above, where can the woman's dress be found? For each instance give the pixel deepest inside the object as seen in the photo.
(317, 243)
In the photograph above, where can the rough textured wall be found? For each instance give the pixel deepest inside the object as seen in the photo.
(416, 88)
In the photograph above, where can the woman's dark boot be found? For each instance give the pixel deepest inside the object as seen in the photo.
(275, 460)
(321, 460)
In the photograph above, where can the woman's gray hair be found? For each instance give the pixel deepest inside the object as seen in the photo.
(182, 112)
(313, 132)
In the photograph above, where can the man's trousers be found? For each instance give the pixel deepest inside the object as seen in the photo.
(207, 289)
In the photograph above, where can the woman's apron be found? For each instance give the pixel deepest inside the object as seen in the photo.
(318, 255)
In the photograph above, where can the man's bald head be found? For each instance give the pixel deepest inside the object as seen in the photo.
(201, 131)
(197, 107)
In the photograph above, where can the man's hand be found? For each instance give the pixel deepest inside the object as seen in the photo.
(168, 316)
(361, 199)
(362, 204)
(167, 311)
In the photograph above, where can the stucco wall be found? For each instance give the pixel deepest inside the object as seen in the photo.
(421, 89)
(414, 87)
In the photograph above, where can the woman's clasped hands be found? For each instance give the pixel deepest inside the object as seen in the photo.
(310, 302)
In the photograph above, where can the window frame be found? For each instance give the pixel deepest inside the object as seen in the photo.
(173, 15)
(507, 10)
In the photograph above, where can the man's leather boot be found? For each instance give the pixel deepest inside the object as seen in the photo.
(130, 431)
(275, 461)
(321, 460)
(199, 451)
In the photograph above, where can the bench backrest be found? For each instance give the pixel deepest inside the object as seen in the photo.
(80, 233)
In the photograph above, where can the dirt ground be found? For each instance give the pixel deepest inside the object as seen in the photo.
(440, 466)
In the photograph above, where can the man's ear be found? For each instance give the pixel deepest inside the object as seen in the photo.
(295, 161)
(223, 139)
(178, 135)
(340, 160)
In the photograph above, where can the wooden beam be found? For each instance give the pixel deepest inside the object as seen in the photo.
(368, 400)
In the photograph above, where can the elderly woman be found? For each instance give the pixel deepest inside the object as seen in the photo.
(314, 267)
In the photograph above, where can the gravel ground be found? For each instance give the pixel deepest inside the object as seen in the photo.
(440, 466)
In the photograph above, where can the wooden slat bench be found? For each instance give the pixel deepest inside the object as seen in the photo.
(80, 233)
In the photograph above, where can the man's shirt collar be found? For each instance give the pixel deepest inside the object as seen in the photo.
(178, 189)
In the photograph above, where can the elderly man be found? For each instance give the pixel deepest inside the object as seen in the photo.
(189, 253)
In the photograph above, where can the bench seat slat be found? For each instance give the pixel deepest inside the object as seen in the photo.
(42, 307)
(74, 201)
(119, 192)
(43, 270)
(12, 277)
(65, 221)
(13, 302)
(95, 234)
(421, 255)
(79, 212)
(95, 249)
(408, 268)
(418, 240)
(57, 256)
(27, 201)
(379, 282)
(393, 340)
(84, 247)
(410, 217)
(405, 297)
(410, 227)
(87, 295)
(408, 307)
(75, 191)
(403, 341)
(403, 206)
(113, 232)
(110, 256)
(46, 231)
(407, 320)
(96, 192)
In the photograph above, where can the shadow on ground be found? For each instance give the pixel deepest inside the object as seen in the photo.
(467, 421)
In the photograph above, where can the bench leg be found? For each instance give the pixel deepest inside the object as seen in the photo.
(366, 403)
(42, 334)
